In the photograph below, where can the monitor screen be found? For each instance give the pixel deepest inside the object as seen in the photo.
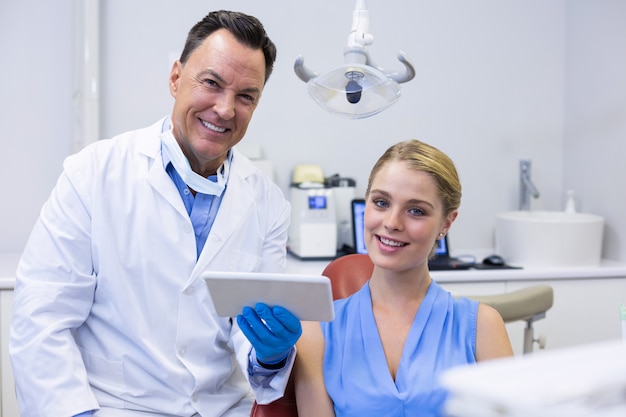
(442, 247)
(317, 202)
(358, 211)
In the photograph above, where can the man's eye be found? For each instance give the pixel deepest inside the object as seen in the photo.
(249, 98)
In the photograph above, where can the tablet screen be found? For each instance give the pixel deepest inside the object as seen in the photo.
(308, 297)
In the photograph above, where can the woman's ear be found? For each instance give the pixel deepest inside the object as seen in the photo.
(447, 223)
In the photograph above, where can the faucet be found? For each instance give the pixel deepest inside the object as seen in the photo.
(527, 188)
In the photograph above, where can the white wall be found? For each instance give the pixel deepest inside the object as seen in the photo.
(492, 87)
(35, 109)
(595, 135)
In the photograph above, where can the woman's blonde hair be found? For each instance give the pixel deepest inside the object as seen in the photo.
(423, 157)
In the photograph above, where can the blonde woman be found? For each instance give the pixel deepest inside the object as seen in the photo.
(390, 341)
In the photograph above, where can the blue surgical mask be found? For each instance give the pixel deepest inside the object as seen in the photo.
(194, 180)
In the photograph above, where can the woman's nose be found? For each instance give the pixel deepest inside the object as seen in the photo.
(392, 220)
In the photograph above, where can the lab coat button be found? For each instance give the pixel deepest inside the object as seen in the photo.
(182, 350)
(194, 397)
(189, 291)
(187, 227)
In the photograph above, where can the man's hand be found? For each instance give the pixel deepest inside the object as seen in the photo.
(272, 331)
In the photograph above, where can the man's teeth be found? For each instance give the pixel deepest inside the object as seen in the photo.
(391, 242)
(213, 127)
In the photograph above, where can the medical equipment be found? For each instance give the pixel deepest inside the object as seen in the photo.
(194, 180)
(313, 226)
(343, 193)
(359, 88)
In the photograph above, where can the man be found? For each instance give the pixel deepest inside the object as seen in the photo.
(111, 316)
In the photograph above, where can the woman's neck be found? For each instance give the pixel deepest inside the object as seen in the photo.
(395, 288)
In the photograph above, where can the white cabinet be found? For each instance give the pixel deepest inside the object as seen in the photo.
(8, 400)
(585, 311)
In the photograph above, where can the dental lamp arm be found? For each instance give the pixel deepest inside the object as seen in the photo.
(400, 77)
(359, 36)
(302, 72)
(408, 74)
(409, 70)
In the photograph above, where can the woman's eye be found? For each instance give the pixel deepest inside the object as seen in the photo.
(381, 203)
(415, 211)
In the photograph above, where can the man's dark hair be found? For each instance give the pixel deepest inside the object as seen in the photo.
(245, 28)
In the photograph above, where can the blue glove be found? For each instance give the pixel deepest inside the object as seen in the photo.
(272, 331)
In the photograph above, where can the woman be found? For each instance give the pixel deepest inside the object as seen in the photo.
(389, 342)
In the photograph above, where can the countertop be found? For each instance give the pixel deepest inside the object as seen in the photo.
(606, 269)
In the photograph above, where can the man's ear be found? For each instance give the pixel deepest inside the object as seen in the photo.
(175, 74)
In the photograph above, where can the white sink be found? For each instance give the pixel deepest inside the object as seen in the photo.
(549, 238)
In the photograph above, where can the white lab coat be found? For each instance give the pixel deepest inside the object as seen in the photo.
(109, 307)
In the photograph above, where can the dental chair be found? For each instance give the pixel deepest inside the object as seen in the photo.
(349, 273)
(527, 304)
(282, 407)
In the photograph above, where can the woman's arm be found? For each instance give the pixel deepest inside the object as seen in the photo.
(311, 396)
(492, 340)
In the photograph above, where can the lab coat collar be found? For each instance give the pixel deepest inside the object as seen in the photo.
(158, 178)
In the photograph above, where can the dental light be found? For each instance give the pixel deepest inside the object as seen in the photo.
(358, 88)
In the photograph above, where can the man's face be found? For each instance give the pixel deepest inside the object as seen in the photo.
(215, 91)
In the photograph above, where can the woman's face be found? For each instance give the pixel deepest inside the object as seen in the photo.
(403, 217)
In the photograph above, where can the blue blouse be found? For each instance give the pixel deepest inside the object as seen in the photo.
(443, 335)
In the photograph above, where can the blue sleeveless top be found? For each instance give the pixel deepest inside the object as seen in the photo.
(357, 379)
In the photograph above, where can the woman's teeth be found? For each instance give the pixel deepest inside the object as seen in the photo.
(391, 242)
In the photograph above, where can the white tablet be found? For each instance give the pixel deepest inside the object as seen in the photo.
(308, 297)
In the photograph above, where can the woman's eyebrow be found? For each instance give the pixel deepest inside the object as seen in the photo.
(411, 201)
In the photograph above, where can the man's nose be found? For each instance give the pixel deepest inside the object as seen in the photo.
(225, 105)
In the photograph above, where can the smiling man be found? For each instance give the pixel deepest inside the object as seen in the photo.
(111, 315)
(217, 87)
